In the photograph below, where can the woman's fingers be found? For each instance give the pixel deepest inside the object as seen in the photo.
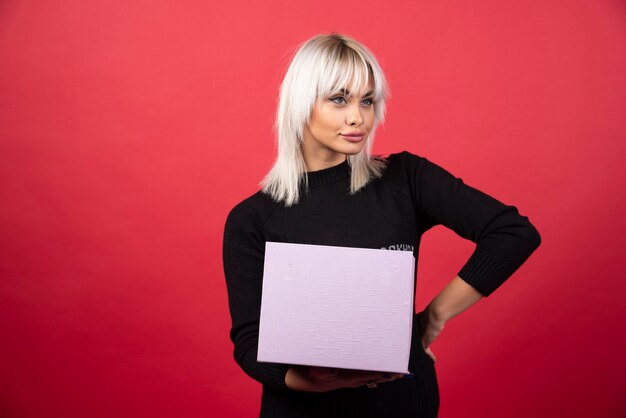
(430, 353)
(350, 378)
(388, 377)
(322, 373)
(429, 332)
(356, 378)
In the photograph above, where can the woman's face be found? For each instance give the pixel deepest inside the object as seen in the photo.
(339, 126)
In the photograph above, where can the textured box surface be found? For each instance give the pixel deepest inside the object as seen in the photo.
(337, 307)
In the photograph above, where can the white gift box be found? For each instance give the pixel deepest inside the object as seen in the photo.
(338, 307)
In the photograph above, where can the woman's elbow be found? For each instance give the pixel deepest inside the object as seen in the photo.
(533, 236)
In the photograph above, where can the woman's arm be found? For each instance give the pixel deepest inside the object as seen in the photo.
(504, 239)
(243, 257)
(322, 379)
(456, 297)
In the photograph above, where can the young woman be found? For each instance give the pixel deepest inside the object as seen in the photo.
(326, 188)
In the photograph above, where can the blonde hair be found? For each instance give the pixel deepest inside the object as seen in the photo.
(321, 66)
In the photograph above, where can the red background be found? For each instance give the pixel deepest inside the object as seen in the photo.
(129, 129)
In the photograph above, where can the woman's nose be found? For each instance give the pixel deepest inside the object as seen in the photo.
(354, 116)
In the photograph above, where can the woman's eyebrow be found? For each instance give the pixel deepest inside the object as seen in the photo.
(347, 92)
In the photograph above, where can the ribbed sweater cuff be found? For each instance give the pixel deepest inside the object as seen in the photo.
(485, 272)
(274, 375)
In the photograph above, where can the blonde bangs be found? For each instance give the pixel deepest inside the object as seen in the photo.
(349, 70)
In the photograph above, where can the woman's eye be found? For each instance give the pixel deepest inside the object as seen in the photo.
(341, 99)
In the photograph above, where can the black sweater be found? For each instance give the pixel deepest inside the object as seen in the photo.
(392, 212)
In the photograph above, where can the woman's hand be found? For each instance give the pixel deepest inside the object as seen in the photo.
(429, 328)
(456, 297)
(322, 379)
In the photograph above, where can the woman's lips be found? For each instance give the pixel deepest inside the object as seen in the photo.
(354, 138)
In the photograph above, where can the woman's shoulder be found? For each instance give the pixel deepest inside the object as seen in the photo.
(403, 157)
(255, 207)
(401, 162)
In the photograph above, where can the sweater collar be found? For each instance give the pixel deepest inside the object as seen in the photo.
(329, 175)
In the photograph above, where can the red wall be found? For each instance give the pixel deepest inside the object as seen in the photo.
(129, 129)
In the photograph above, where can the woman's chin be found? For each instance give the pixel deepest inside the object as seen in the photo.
(351, 149)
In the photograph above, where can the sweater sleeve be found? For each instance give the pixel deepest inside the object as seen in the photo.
(504, 238)
(243, 258)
